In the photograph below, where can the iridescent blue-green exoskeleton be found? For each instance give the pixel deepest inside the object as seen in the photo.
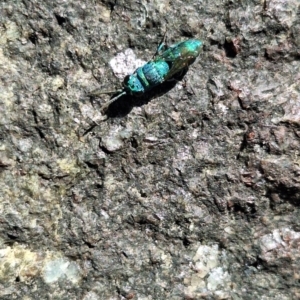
(163, 66)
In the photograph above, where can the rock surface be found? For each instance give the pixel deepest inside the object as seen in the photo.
(190, 192)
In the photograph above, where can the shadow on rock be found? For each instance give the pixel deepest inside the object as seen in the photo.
(123, 106)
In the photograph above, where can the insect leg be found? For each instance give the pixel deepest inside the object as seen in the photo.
(161, 45)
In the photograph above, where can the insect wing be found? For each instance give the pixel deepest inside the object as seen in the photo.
(180, 56)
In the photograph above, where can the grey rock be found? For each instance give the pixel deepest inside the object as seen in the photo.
(189, 192)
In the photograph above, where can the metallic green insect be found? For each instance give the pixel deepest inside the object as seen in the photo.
(164, 65)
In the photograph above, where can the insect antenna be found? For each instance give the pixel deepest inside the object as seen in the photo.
(98, 92)
(107, 104)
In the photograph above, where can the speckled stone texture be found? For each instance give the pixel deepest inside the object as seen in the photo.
(190, 192)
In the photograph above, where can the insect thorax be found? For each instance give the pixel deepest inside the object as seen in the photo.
(146, 77)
